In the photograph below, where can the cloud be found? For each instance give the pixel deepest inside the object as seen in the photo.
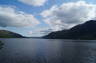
(68, 14)
(30, 32)
(10, 17)
(34, 2)
(40, 31)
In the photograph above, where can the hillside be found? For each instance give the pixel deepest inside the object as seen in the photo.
(86, 30)
(8, 34)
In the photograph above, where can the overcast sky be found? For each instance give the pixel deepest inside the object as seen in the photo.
(39, 17)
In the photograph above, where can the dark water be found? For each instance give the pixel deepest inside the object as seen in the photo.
(48, 51)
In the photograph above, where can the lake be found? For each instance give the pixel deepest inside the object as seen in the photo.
(28, 50)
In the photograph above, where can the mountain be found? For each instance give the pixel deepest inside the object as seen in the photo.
(9, 34)
(86, 30)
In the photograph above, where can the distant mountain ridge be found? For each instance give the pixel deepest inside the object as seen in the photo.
(9, 34)
(86, 30)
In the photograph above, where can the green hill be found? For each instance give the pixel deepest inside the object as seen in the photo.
(9, 34)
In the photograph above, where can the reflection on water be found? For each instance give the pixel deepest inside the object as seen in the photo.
(84, 54)
(47, 51)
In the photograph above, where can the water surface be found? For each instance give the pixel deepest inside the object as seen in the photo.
(47, 51)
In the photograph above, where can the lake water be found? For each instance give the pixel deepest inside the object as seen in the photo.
(47, 51)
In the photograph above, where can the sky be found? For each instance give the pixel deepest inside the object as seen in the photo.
(35, 18)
